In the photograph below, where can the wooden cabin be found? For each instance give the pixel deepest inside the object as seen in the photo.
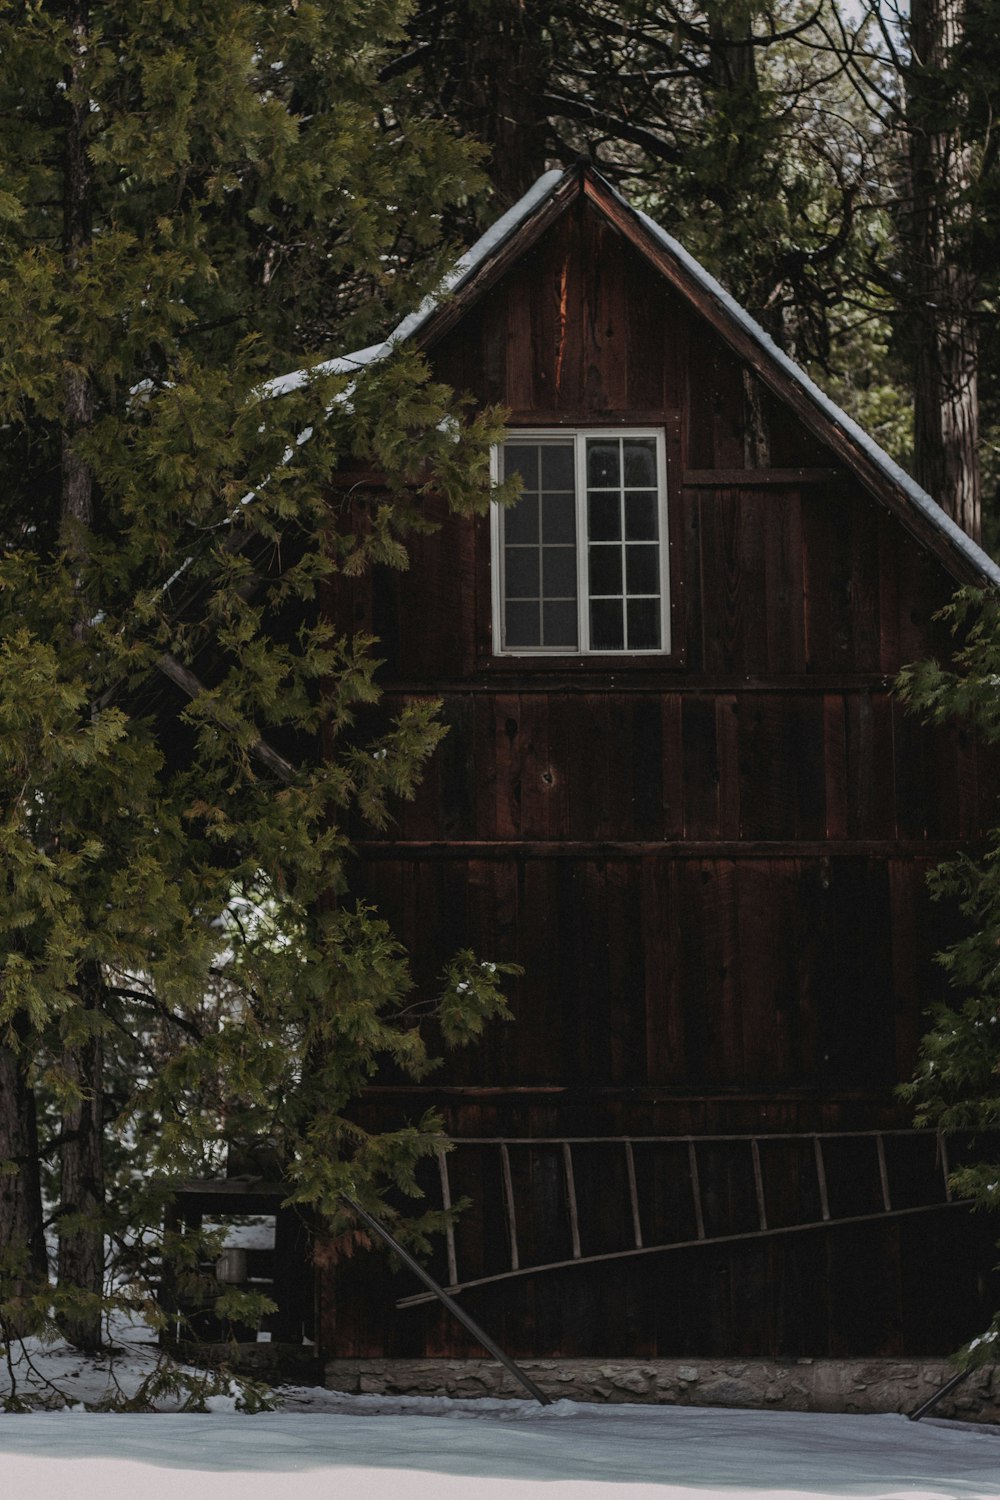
(678, 790)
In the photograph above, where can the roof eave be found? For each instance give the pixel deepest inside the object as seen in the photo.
(856, 449)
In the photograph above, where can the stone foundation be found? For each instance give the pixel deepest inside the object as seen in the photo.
(860, 1385)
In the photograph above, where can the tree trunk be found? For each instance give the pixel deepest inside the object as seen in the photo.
(732, 61)
(946, 398)
(502, 81)
(81, 1209)
(77, 513)
(23, 1260)
(81, 1228)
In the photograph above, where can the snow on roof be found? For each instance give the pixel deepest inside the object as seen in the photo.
(892, 471)
(351, 364)
(484, 247)
(345, 364)
(490, 242)
(917, 496)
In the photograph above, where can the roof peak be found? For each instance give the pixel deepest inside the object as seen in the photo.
(510, 233)
(732, 318)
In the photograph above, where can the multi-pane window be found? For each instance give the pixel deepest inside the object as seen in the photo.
(580, 559)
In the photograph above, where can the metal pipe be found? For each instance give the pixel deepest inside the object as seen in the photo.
(479, 1334)
(945, 1390)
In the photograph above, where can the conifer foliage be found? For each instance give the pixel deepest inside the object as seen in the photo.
(194, 199)
(956, 1086)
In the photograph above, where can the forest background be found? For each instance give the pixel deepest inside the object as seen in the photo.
(196, 200)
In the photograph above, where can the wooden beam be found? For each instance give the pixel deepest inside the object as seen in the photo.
(934, 849)
(455, 305)
(188, 683)
(632, 675)
(758, 479)
(781, 1231)
(780, 382)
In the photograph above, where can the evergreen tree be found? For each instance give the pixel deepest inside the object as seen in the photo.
(956, 1086)
(935, 106)
(193, 199)
(835, 166)
(946, 355)
(732, 120)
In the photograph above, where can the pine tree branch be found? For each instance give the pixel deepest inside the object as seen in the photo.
(193, 686)
(617, 128)
(121, 992)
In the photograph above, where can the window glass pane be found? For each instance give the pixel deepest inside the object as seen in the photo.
(621, 527)
(606, 633)
(642, 569)
(559, 620)
(605, 570)
(521, 575)
(602, 463)
(522, 625)
(558, 518)
(520, 521)
(640, 516)
(559, 572)
(519, 458)
(557, 466)
(640, 461)
(644, 624)
(604, 521)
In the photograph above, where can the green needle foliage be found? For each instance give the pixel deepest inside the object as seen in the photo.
(957, 1082)
(195, 198)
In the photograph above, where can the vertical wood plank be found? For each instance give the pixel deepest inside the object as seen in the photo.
(625, 1063)
(701, 768)
(872, 766)
(647, 333)
(890, 659)
(767, 922)
(567, 296)
(671, 722)
(783, 585)
(605, 354)
(660, 909)
(645, 812)
(728, 722)
(692, 604)
(507, 761)
(519, 364)
(835, 765)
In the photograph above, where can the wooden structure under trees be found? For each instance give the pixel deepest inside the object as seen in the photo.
(677, 788)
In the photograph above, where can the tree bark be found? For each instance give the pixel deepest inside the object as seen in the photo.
(81, 1209)
(946, 397)
(500, 77)
(77, 512)
(81, 1228)
(23, 1261)
(732, 55)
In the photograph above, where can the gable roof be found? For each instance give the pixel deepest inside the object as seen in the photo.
(505, 241)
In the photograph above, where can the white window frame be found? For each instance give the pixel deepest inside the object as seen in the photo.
(579, 436)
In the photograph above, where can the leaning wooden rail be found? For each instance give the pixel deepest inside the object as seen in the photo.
(436, 1291)
(639, 1247)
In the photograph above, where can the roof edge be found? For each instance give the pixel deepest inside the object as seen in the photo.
(913, 493)
(730, 313)
(483, 250)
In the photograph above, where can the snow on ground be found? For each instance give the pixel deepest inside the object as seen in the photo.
(326, 1446)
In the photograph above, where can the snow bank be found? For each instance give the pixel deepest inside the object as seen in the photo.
(375, 1448)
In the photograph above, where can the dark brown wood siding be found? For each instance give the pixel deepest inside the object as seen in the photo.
(712, 866)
